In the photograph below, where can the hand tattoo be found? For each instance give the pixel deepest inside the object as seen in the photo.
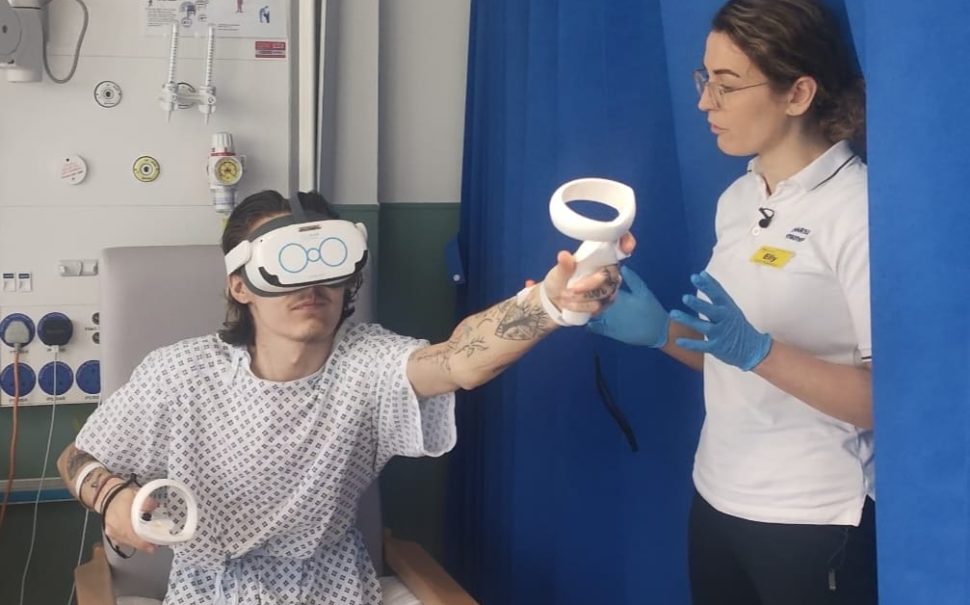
(611, 283)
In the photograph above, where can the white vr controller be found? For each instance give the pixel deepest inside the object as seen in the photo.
(601, 239)
(158, 528)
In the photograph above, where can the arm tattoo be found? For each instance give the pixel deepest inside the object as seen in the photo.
(470, 348)
(477, 349)
(442, 357)
(76, 461)
(96, 478)
(500, 368)
(464, 342)
(521, 323)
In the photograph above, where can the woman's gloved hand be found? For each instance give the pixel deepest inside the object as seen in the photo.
(727, 333)
(636, 317)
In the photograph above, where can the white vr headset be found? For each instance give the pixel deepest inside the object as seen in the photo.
(299, 250)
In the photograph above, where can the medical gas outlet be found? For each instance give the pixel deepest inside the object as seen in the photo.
(225, 170)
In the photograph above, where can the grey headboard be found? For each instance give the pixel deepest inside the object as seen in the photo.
(153, 296)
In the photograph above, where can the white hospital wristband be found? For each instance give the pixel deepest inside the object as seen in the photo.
(87, 470)
(547, 306)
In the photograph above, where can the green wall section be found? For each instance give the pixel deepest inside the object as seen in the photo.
(414, 297)
(59, 524)
(58, 539)
(35, 424)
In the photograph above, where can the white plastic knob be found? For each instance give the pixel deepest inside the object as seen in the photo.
(222, 142)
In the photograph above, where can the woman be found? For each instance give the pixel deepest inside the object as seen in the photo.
(783, 510)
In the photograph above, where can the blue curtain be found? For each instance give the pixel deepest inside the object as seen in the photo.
(547, 503)
(919, 220)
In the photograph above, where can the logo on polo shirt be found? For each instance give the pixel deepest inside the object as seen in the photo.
(772, 257)
(798, 234)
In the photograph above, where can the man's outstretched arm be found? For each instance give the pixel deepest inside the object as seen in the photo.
(486, 343)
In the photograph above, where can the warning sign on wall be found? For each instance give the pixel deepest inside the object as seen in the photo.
(270, 49)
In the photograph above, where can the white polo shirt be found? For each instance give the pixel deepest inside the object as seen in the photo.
(763, 454)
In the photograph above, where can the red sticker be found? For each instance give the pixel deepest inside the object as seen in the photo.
(270, 49)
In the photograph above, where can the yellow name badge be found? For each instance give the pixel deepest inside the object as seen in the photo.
(772, 257)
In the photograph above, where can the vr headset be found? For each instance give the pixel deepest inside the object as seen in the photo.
(299, 250)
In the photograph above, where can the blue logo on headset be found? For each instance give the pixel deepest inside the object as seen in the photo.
(294, 257)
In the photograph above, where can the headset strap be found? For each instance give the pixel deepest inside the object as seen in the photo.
(296, 208)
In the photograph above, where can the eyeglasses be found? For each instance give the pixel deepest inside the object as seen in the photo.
(702, 80)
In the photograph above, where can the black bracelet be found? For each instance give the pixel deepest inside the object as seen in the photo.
(104, 510)
(97, 493)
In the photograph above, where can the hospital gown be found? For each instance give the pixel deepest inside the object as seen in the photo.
(277, 467)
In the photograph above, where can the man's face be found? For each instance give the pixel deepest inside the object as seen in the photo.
(305, 316)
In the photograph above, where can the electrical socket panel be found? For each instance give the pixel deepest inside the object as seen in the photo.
(81, 355)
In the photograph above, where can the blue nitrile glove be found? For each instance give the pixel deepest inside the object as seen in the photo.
(635, 317)
(729, 336)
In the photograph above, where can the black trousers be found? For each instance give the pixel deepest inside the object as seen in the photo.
(735, 561)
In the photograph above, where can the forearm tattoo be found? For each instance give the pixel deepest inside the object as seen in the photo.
(475, 337)
(470, 348)
(76, 461)
(521, 321)
(439, 355)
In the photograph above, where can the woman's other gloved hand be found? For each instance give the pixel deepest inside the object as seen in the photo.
(727, 333)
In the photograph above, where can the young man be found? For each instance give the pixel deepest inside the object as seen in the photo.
(279, 422)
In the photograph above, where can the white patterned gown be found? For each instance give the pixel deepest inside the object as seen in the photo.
(277, 467)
